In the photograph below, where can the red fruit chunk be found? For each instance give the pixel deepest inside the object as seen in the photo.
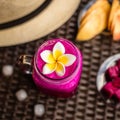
(111, 73)
(108, 90)
(116, 96)
(118, 64)
(116, 82)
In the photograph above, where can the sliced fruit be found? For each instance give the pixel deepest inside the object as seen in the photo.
(116, 82)
(111, 73)
(116, 96)
(87, 18)
(95, 23)
(108, 90)
(118, 64)
(98, 4)
(115, 27)
(115, 5)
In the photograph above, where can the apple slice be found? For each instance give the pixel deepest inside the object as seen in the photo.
(115, 5)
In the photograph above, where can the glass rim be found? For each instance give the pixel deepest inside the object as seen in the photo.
(77, 67)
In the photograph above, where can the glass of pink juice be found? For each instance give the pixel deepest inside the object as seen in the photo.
(57, 67)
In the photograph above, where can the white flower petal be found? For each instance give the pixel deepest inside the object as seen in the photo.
(47, 56)
(58, 50)
(49, 68)
(67, 59)
(60, 70)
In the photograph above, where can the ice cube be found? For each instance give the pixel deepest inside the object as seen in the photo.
(21, 95)
(7, 70)
(39, 110)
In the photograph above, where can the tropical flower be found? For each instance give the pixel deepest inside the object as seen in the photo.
(56, 60)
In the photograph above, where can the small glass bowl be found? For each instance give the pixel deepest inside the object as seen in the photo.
(101, 80)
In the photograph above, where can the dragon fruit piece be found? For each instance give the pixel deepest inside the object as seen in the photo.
(116, 96)
(111, 73)
(108, 90)
(116, 82)
(118, 64)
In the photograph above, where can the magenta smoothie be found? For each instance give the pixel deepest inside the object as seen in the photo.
(57, 67)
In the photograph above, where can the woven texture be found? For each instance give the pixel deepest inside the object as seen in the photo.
(86, 104)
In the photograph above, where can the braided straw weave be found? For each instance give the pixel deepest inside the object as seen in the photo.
(86, 104)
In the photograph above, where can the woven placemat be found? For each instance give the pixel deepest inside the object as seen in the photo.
(86, 104)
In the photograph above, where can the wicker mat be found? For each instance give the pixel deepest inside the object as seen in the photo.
(86, 104)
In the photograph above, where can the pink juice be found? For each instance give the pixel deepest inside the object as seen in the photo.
(53, 84)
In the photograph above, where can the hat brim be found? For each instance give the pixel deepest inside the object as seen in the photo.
(52, 17)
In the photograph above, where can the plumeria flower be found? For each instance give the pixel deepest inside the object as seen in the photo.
(56, 60)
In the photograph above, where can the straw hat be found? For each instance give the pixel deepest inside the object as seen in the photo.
(52, 15)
